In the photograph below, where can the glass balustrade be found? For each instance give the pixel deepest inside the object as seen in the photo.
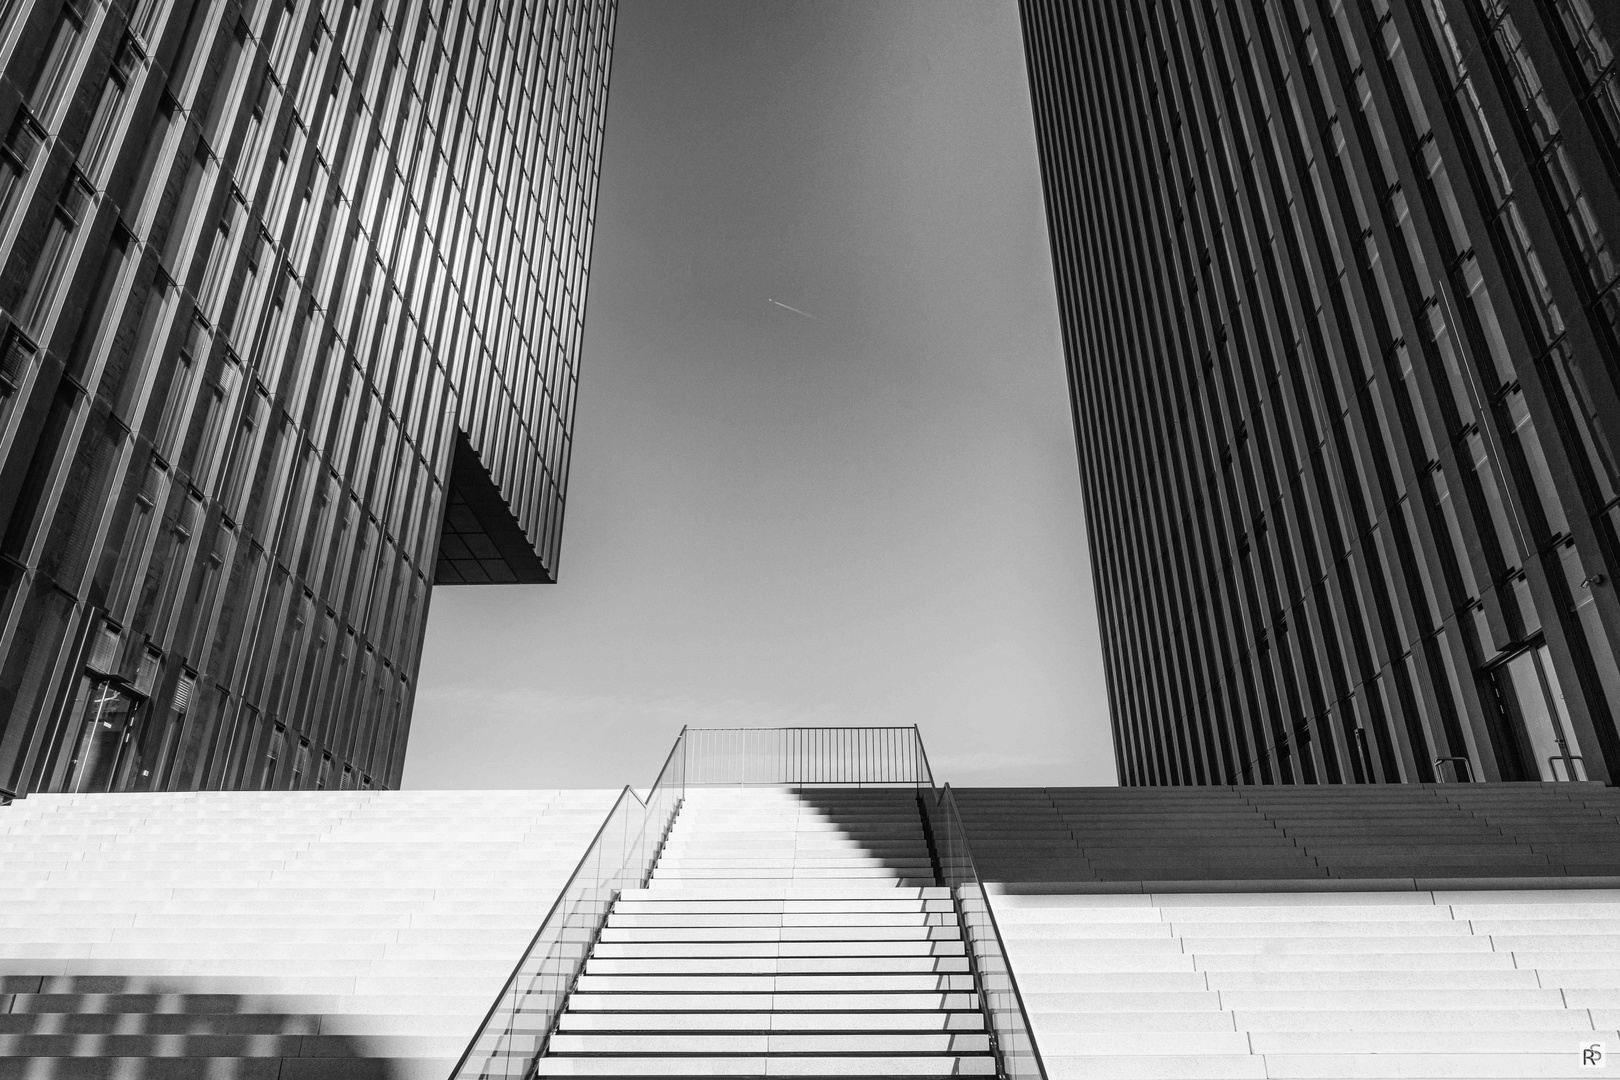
(626, 849)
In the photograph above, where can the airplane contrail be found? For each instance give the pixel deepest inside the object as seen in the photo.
(790, 307)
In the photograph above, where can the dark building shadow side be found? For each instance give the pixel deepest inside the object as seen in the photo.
(1294, 836)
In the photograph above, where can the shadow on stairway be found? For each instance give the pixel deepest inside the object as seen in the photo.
(886, 822)
(92, 1026)
(784, 931)
(1487, 835)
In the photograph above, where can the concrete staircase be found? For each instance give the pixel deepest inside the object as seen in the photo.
(1275, 933)
(784, 933)
(1205, 986)
(282, 935)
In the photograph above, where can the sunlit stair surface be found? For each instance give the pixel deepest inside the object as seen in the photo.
(1334, 835)
(784, 933)
(275, 935)
(1416, 984)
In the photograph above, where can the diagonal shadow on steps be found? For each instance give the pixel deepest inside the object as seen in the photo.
(885, 822)
(131, 1027)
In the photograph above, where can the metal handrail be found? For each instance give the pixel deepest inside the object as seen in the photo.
(517, 970)
(510, 998)
(901, 759)
(1455, 761)
(1009, 1022)
(923, 752)
(1569, 761)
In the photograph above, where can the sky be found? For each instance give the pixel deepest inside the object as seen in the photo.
(856, 505)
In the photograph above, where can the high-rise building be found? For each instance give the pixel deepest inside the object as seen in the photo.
(1343, 334)
(290, 318)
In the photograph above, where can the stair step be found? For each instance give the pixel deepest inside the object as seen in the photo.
(938, 1020)
(786, 919)
(857, 966)
(107, 1067)
(192, 1045)
(645, 950)
(700, 984)
(771, 1042)
(796, 1001)
(783, 1065)
(787, 891)
(939, 930)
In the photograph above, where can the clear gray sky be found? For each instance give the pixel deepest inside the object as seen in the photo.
(867, 513)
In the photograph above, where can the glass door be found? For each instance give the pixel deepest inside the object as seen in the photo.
(1529, 688)
(106, 725)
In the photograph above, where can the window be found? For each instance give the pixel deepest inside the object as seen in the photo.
(211, 290)
(255, 141)
(1596, 59)
(179, 705)
(133, 553)
(285, 32)
(226, 95)
(221, 400)
(16, 158)
(314, 68)
(110, 109)
(53, 254)
(16, 354)
(147, 192)
(231, 491)
(177, 405)
(1576, 399)
(104, 653)
(146, 18)
(272, 756)
(52, 78)
(185, 228)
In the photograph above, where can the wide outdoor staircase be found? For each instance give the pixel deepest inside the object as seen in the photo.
(1457, 930)
(728, 924)
(783, 933)
(274, 935)
(1310, 985)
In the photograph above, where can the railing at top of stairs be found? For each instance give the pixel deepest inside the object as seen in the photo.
(852, 756)
(626, 848)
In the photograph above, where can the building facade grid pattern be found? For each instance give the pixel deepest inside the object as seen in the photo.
(1343, 337)
(264, 263)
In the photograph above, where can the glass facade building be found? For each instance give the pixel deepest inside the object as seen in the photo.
(1343, 333)
(291, 296)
